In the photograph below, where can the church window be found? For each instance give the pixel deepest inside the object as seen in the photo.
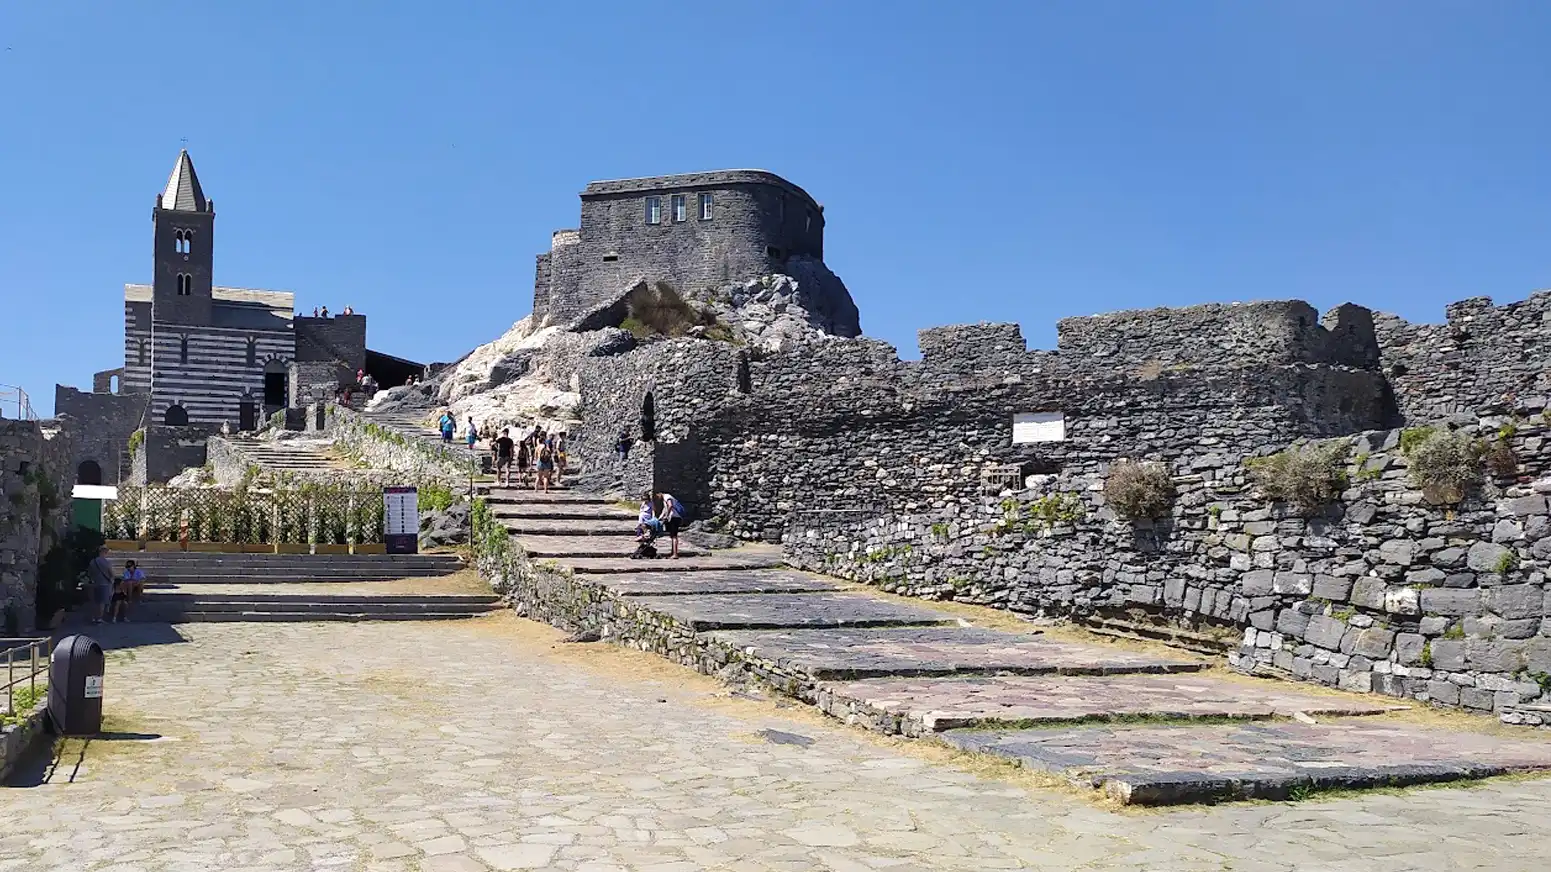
(705, 207)
(653, 210)
(185, 284)
(182, 240)
(680, 209)
(140, 352)
(252, 351)
(183, 350)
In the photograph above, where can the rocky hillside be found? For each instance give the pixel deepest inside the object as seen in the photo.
(517, 380)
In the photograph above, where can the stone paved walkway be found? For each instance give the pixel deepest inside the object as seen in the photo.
(483, 745)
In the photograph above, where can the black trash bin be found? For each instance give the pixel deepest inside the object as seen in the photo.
(75, 686)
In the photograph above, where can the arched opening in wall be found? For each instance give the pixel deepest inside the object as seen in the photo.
(745, 378)
(274, 383)
(175, 416)
(648, 418)
(89, 472)
(247, 413)
(114, 385)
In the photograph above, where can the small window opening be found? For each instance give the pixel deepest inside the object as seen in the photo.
(140, 355)
(680, 208)
(183, 350)
(807, 222)
(772, 251)
(648, 419)
(610, 258)
(653, 210)
(745, 378)
(185, 284)
(252, 351)
(705, 207)
(89, 472)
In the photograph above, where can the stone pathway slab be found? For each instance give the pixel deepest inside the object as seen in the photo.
(1163, 765)
(688, 583)
(622, 544)
(926, 705)
(839, 654)
(738, 559)
(774, 610)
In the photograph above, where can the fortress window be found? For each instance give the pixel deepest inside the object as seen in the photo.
(610, 258)
(705, 207)
(653, 210)
(680, 209)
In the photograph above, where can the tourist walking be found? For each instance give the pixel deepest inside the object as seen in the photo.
(524, 461)
(672, 520)
(503, 458)
(472, 435)
(560, 458)
(448, 425)
(546, 465)
(99, 574)
(622, 446)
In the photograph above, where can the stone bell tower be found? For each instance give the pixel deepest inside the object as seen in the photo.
(184, 246)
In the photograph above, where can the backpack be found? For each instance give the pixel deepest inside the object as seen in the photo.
(644, 551)
(675, 507)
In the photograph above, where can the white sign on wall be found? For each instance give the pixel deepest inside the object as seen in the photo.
(401, 519)
(94, 687)
(1038, 427)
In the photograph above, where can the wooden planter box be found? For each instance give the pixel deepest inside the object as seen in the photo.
(331, 549)
(292, 548)
(257, 548)
(163, 547)
(215, 547)
(369, 548)
(123, 544)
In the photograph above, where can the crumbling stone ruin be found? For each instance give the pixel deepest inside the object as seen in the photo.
(979, 472)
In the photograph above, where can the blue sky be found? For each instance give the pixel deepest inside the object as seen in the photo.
(1020, 161)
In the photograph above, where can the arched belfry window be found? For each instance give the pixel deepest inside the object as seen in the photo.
(185, 284)
(182, 240)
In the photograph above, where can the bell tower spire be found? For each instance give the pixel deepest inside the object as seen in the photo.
(184, 244)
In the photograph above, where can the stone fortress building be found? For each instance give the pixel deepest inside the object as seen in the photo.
(198, 355)
(692, 231)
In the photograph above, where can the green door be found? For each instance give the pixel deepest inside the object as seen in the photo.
(88, 513)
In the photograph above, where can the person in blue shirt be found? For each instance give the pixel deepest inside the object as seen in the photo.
(448, 425)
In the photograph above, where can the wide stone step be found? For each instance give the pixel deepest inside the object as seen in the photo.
(503, 495)
(715, 561)
(840, 654)
(1171, 764)
(917, 706)
(593, 546)
(715, 581)
(779, 610)
(623, 520)
(305, 616)
(324, 600)
(581, 527)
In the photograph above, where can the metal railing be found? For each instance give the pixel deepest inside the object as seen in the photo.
(14, 404)
(25, 661)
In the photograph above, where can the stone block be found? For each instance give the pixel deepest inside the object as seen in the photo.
(1293, 583)
(1537, 655)
(1428, 577)
(1443, 691)
(1475, 698)
(1485, 556)
(1257, 582)
(1400, 552)
(1369, 593)
(1408, 648)
(1403, 601)
(1516, 600)
(1535, 504)
(1460, 579)
(1507, 531)
(1373, 642)
(1329, 587)
(1447, 601)
(1524, 628)
(1325, 631)
(1448, 654)
(1449, 558)
(1326, 674)
(1433, 625)
(1495, 655)
(1291, 622)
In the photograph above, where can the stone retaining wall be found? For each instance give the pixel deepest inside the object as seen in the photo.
(36, 477)
(1381, 591)
(17, 739)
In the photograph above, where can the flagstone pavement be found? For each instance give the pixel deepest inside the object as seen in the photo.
(489, 745)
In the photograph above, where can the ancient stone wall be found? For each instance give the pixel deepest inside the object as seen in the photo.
(101, 424)
(1482, 357)
(36, 476)
(167, 451)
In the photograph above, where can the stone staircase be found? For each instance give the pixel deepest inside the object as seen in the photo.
(1145, 724)
(415, 425)
(186, 587)
(295, 456)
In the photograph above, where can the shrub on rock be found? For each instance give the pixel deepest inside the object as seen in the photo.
(1139, 490)
(1308, 476)
(1445, 465)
